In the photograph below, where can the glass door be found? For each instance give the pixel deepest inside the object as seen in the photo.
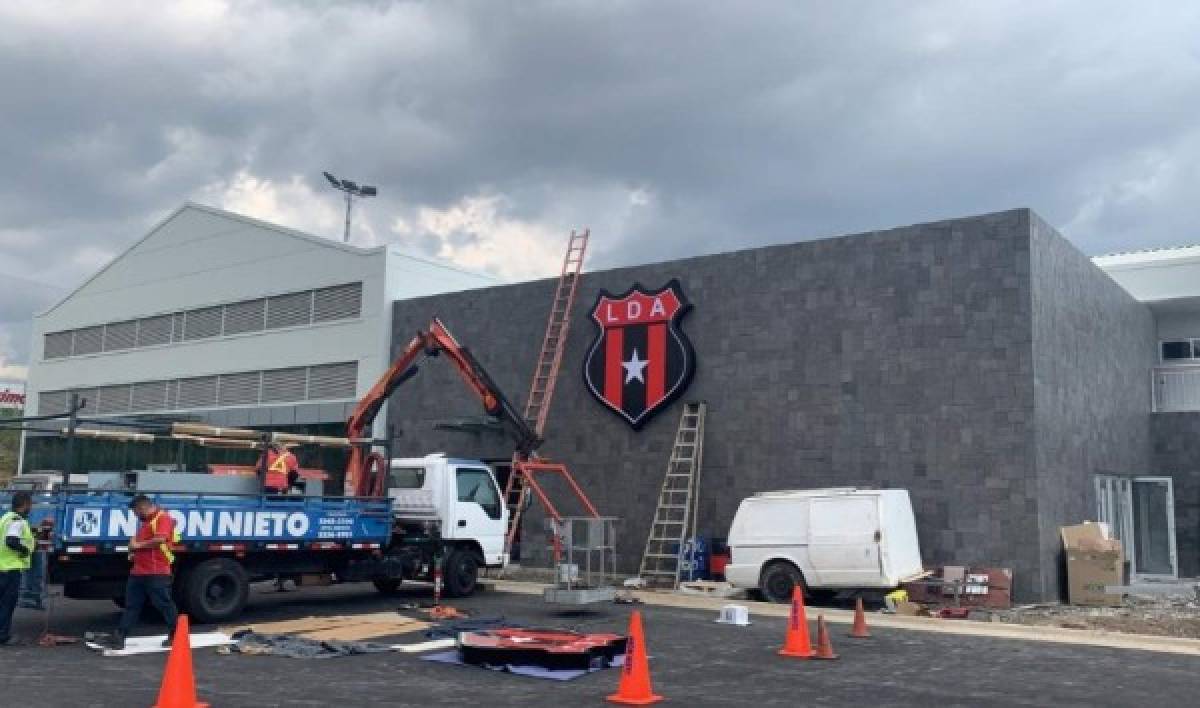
(1154, 527)
(1114, 507)
(1140, 511)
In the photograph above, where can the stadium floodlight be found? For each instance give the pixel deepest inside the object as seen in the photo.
(352, 190)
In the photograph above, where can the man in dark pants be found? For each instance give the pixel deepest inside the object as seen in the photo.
(150, 577)
(15, 554)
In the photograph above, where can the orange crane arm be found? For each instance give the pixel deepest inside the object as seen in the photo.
(437, 340)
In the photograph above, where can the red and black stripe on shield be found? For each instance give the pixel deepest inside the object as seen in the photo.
(641, 359)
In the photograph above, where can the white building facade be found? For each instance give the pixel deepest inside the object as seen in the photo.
(218, 317)
(1167, 281)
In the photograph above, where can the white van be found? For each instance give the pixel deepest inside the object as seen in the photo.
(838, 538)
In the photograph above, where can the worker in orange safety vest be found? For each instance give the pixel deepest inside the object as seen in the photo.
(282, 461)
(150, 576)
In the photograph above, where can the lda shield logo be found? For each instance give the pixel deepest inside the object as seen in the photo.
(641, 359)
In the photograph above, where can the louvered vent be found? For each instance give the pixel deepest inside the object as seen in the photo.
(88, 340)
(238, 389)
(342, 302)
(289, 310)
(153, 331)
(243, 317)
(202, 323)
(52, 402)
(199, 392)
(330, 381)
(149, 396)
(177, 327)
(120, 335)
(57, 345)
(280, 385)
(112, 399)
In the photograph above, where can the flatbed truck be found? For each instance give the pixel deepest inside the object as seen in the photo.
(429, 518)
(229, 541)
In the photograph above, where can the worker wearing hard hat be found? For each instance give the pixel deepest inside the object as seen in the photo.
(15, 555)
(150, 576)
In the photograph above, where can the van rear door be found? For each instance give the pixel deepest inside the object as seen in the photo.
(843, 541)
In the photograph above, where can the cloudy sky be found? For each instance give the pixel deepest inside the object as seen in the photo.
(669, 128)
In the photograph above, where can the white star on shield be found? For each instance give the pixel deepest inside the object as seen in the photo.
(634, 368)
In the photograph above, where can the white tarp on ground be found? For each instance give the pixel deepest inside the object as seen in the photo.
(153, 645)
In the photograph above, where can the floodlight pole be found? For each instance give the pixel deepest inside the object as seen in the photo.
(351, 190)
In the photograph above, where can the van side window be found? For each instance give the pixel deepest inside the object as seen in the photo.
(475, 485)
(406, 478)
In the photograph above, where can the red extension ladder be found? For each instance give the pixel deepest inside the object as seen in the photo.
(541, 391)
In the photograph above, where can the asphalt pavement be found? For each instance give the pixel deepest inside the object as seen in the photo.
(695, 662)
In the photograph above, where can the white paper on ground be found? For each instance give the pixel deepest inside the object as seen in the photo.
(424, 646)
(153, 645)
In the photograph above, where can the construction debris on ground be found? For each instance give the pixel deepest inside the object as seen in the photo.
(1176, 615)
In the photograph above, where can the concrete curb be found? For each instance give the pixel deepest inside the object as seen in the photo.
(996, 630)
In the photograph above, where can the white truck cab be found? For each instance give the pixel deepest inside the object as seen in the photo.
(461, 495)
(836, 538)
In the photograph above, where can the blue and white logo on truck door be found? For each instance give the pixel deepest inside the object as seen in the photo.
(85, 523)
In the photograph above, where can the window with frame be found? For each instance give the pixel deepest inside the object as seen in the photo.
(1179, 349)
(475, 485)
(406, 478)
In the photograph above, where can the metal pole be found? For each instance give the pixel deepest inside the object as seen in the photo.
(72, 419)
(262, 462)
(346, 234)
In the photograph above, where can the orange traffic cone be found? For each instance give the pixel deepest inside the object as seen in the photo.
(179, 683)
(824, 646)
(797, 643)
(634, 689)
(859, 630)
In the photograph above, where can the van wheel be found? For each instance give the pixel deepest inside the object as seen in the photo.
(216, 590)
(461, 573)
(778, 580)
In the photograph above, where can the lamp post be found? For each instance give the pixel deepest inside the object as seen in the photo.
(351, 190)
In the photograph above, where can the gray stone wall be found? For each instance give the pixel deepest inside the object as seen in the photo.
(1176, 444)
(1093, 348)
(898, 358)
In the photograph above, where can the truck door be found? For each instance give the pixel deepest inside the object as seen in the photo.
(477, 513)
(843, 541)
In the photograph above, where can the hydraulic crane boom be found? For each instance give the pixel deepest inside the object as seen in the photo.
(366, 470)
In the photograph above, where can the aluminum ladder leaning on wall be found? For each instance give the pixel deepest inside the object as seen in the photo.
(675, 516)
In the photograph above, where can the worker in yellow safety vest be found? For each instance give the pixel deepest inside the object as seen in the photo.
(15, 556)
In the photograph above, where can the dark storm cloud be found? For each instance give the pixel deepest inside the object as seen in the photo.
(671, 128)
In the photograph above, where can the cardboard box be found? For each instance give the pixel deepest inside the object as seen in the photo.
(910, 609)
(1094, 561)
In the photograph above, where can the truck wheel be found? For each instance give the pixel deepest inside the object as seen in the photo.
(216, 590)
(461, 573)
(386, 586)
(777, 581)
